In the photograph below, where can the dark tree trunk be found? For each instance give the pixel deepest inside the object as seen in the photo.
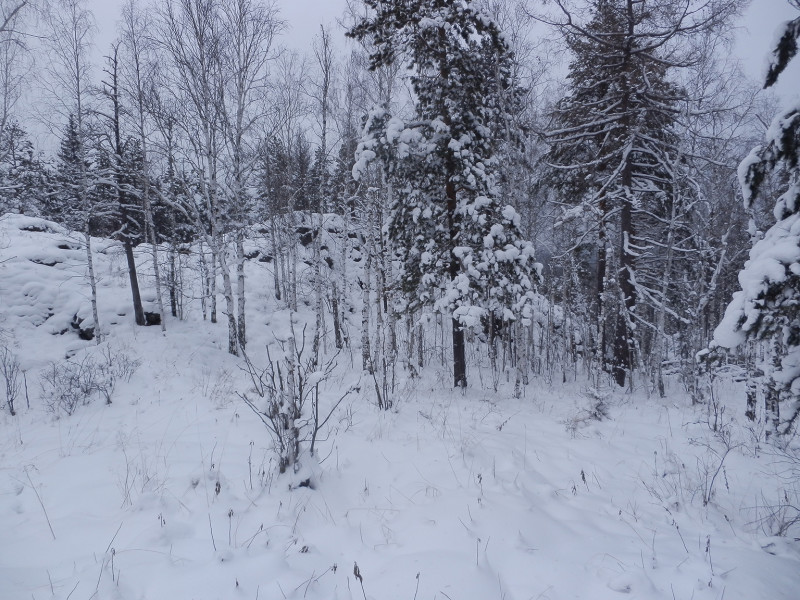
(138, 310)
(212, 285)
(750, 411)
(337, 327)
(459, 356)
(112, 92)
(459, 350)
(173, 283)
(601, 285)
(240, 280)
(623, 335)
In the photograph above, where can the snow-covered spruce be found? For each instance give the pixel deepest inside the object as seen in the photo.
(459, 246)
(768, 305)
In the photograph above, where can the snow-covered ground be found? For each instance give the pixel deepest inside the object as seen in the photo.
(171, 491)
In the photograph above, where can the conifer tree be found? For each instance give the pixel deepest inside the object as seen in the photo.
(23, 177)
(124, 172)
(615, 153)
(66, 204)
(768, 305)
(460, 247)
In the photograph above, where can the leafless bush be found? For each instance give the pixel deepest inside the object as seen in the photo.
(781, 515)
(118, 362)
(71, 383)
(712, 464)
(596, 409)
(290, 389)
(9, 367)
(217, 386)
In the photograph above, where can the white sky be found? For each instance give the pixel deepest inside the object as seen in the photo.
(754, 39)
(303, 16)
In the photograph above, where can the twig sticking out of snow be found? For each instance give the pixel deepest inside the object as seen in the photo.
(357, 575)
(39, 498)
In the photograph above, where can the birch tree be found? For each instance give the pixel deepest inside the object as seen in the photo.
(191, 39)
(323, 52)
(14, 57)
(248, 30)
(69, 38)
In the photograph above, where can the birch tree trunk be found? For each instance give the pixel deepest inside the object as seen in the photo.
(70, 27)
(240, 280)
(366, 285)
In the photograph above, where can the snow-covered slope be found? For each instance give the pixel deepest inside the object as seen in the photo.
(171, 490)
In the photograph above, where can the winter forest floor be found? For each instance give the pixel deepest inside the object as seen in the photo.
(171, 491)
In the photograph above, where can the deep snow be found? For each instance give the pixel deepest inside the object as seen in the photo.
(171, 491)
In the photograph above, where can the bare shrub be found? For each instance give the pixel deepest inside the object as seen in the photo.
(118, 362)
(9, 368)
(290, 389)
(67, 385)
(780, 515)
(218, 386)
(71, 383)
(596, 409)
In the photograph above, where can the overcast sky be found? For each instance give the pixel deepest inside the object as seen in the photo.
(303, 16)
(754, 39)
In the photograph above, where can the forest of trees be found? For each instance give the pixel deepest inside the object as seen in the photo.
(575, 220)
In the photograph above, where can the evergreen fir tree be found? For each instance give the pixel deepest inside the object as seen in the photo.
(65, 204)
(460, 247)
(615, 154)
(768, 306)
(23, 176)
(301, 191)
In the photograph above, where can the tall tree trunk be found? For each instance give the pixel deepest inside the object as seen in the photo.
(212, 282)
(132, 33)
(391, 313)
(173, 281)
(148, 213)
(227, 292)
(291, 262)
(343, 298)
(366, 284)
(624, 332)
(241, 330)
(138, 311)
(459, 348)
(92, 283)
(204, 279)
(324, 56)
(659, 350)
(602, 274)
(277, 257)
(336, 310)
(319, 317)
(113, 94)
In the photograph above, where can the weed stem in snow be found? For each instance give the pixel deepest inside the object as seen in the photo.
(39, 498)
